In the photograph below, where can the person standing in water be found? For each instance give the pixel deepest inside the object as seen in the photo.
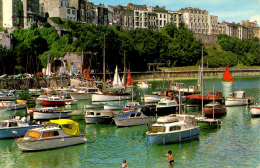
(170, 157)
(124, 165)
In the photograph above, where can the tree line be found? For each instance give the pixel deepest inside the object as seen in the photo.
(32, 47)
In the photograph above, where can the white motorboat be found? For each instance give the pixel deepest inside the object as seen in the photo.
(84, 93)
(152, 98)
(99, 116)
(18, 106)
(172, 129)
(40, 98)
(238, 99)
(255, 110)
(14, 127)
(131, 118)
(115, 95)
(166, 107)
(56, 134)
(49, 113)
(143, 84)
(113, 107)
(31, 110)
(98, 105)
(7, 96)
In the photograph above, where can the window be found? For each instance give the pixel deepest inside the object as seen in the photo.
(68, 11)
(132, 115)
(175, 128)
(73, 12)
(156, 129)
(32, 134)
(69, 126)
(138, 114)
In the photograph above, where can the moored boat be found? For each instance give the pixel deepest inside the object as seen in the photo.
(214, 108)
(99, 116)
(173, 129)
(113, 107)
(56, 134)
(115, 95)
(196, 100)
(131, 118)
(55, 101)
(238, 99)
(255, 110)
(14, 127)
(166, 107)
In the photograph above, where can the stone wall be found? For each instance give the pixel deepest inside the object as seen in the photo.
(206, 38)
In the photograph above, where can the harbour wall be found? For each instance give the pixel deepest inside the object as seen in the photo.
(176, 73)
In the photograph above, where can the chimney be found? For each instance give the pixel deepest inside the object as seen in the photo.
(144, 5)
(223, 22)
(164, 7)
(129, 4)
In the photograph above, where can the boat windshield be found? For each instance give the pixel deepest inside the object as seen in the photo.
(32, 134)
(163, 104)
(155, 129)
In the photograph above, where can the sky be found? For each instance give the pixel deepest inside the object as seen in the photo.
(226, 10)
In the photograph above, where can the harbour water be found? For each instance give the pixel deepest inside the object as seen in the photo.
(234, 144)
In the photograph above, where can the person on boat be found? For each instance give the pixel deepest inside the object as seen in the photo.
(170, 157)
(23, 119)
(124, 165)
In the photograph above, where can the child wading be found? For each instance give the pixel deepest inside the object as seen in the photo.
(170, 157)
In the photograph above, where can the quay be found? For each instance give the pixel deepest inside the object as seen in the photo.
(27, 83)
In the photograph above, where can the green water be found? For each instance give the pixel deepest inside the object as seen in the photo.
(234, 144)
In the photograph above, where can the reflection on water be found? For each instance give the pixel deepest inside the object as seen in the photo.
(234, 144)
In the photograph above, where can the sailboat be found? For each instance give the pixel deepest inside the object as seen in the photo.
(227, 76)
(204, 122)
(117, 81)
(129, 81)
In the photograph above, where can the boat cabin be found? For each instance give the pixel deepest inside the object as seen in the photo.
(173, 123)
(99, 113)
(130, 114)
(214, 94)
(167, 103)
(40, 133)
(12, 123)
(177, 85)
(239, 94)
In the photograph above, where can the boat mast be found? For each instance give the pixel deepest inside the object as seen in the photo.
(153, 78)
(213, 101)
(202, 81)
(124, 70)
(104, 62)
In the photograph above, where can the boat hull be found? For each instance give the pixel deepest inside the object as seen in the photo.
(95, 120)
(173, 137)
(104, 97)
(53, 103)
(208, 123)
(50, 115)
(81, 96)
(21, 131)
(255, 111)
(238, 101)
(218, 111)
(162, 111)
(197, 101)
(132, 121)
(50, 143)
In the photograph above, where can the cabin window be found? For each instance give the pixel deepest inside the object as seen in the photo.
(163, 104)
(32, 134)
(47, 134)
(90, 113)
(175, 128)
(12, 124)
(69, 126)
(138, 114)
(132, 115)
(98, 114)
(156, 129)
(3, 124)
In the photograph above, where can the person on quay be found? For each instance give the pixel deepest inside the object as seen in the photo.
(170, 157)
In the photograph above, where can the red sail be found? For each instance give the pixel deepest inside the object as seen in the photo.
(227, 75)
(129, 79)
(87, 75)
